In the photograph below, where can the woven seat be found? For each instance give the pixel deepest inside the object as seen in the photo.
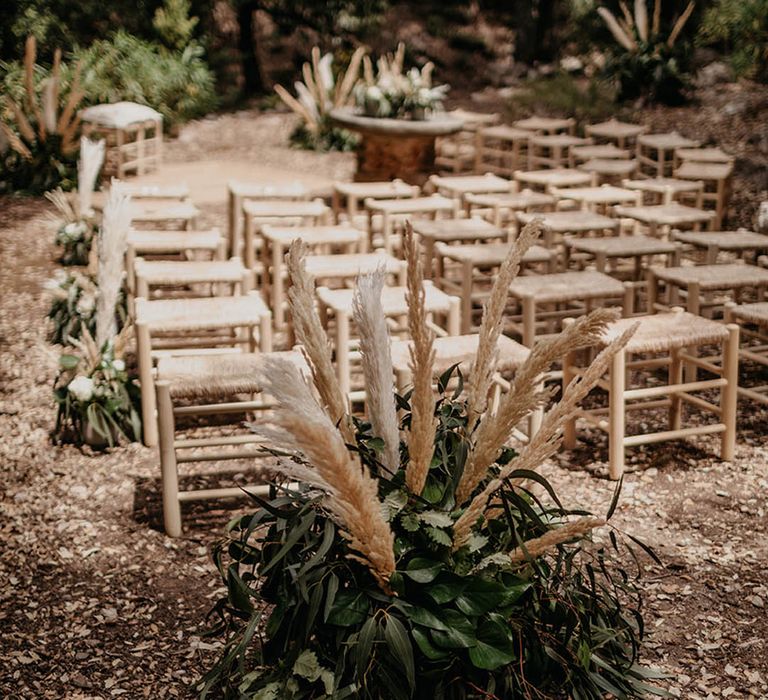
(620, 133)
(168, 242)
(622, 246)
(609, 170)
(675, 337)
(753, 322)
(659, 218)
(394, 210)
(474, 262)
(710, 277)
(546, 125)
(656, 151)
(503, 206)
(574, 222)
(554, 177)
(338, 302)
(605, 151)
(202, 389)
(702, 155)
(175, 273)
(752, 313)
(160, 214)
(457, 186)
(169, 193)
(347, 267)
(188, 323)
(715, 241)
(665, 190)
(589, 197)
(354, 195)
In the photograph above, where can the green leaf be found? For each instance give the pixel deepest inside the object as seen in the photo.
(421, 616)
(410, 522)
(443, 593)
(69, 361)
(349, 609)
(399, 644)
(494, 647)
(330, 595)
(422, 570)
(307, 666)
(476, 542)
(440, 537)
(459, 632)
(365, 644)
(436, 518)
(425, 645)
(615, 499)
(480, 596)
(239, 593)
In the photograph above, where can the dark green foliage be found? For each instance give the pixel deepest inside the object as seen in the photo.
(303, 620)
(75, 240)
(741, 28)
(328, 138)
(47, 169)
(178, 84)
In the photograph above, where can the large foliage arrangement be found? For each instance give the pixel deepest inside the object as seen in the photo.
(741, 26)
(425, 557)
(645, 64)
(316, 96)
(39, 121)
(396, 93)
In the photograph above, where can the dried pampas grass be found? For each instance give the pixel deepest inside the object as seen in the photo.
(523, 397)
(299, 423)
(490, 327)
(377, 365)
(112, 241)
(546, 441)
(541, 545)
(88, 166)
(421, 438)
(310, 333)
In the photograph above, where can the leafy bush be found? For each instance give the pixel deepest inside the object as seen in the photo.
(741, 26)
(437, 565)
(644, 63)
(178, 84)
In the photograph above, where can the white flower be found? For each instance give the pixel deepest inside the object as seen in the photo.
(119, 365)
(85, 304)
(81, 388)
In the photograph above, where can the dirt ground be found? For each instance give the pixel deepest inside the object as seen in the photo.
(95, 602)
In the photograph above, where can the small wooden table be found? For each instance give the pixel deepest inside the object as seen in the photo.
(391, 210)
(666, 216)
(476, 264)
(621, 133)
(554, 177)
(576, 292)
(318, 239)
(657, 151)
(453, 231)
(732, 241)
(393, 299)
(503, 206)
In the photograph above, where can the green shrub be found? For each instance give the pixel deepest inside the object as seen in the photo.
(178, 84)
(741, 26)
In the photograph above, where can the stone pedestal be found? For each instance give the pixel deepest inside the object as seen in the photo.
(396, 148)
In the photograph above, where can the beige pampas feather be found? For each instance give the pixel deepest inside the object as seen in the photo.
(15, 142)
(352, 493)
(25, 128)
(50, 92)
(111, 251)
(490, 326)
(615, 28)
(641, 19)
(63, 204)
(421, 437)
(523, 397)
(312, 336)
(377, 365)
(30, 55)
(88, 166)
(656, 17)
(680, 23)
(546, 441)
(541, 545)
(352, 75)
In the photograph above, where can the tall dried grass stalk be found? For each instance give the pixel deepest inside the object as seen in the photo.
(30, 55)
(547, 440)
(641, 19)
(377, 364)
(63, 204)
(541, 545)
(622, 36)
(88, 166)
(300, 423)
(421, 437)
(310, 333)
(680, 24)
(490, 327)
(111, 253)
(523, 397)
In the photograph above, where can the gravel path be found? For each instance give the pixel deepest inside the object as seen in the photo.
(95, 602)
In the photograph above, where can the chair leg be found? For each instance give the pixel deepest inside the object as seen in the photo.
(729, 393)
(675, 377)
(168, 466)
(616, 411)
(569, 429)
(144, 353)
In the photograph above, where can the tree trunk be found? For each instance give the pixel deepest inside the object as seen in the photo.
(253, 76)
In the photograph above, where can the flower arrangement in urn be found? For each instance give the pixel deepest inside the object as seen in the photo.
(396, 94)
(423, 555)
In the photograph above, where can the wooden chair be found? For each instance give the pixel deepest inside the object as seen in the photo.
(660, 219)
(203, 388)
(458, 186)
(339, 271)
(717, 181)
(350, 196)
(552, 150)
(622, 134)
(668, 337)
(500, 209)
(195, 326)
(666, 190)
(239, 192)
(456, 154)
(655, 152)
(712, 243)
(467, 271)
(604, 151)
(609, 170)
(596, 199)
(546, 125)
(501, 150)
(157, 214)
(545, 300)
(337, 303)
(701, 155)
(752, 320)
(558, 224)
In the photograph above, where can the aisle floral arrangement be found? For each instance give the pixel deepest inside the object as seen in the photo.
(398, 94)
(425, 556)
(98, 400)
